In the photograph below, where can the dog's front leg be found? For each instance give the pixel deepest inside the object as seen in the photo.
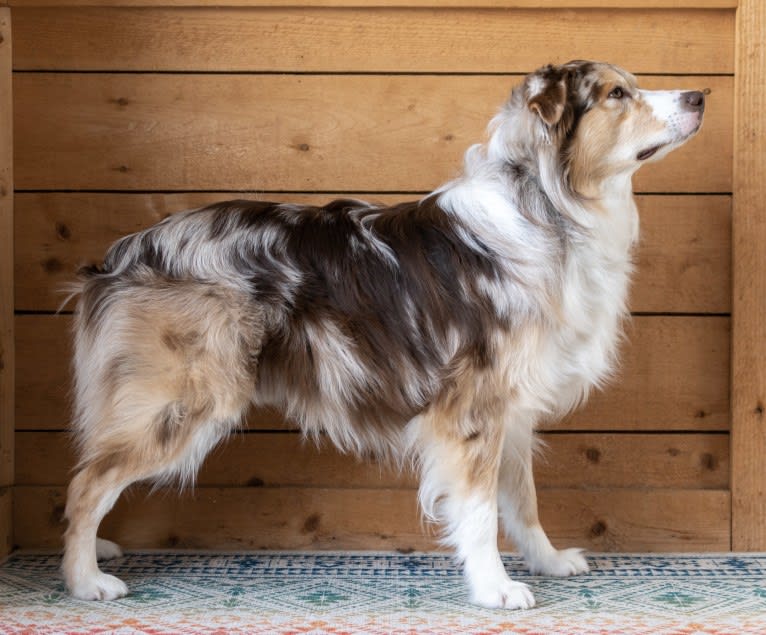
(472, 523)
(458, 488)
(517, 501)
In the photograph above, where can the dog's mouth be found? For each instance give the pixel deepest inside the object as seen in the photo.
(677, 137)
(645, 154)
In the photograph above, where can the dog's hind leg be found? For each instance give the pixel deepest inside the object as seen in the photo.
(459, 471)
(517, 502)
(107, 550)
(163, 378)
(91, 494)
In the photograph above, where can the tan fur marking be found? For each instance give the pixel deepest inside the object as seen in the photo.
(180, 341)
(467, 420)
(601, 130)
(105, 462)
(169, 421)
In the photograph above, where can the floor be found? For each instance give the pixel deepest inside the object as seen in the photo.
(363, 592)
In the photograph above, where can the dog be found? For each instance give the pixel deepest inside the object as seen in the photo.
(442, 332)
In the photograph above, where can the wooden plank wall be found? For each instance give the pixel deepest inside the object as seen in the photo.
(748, 386)
(126, 114)
(7, 366)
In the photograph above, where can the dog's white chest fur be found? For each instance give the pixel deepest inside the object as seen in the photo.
(576, 293)
(582, 345)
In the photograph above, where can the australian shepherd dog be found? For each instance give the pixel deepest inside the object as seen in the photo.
(440, 332)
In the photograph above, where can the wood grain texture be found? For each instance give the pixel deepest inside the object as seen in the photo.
(7, 358)
(321, 518)
(672, 461)
(475, 4)
(386, 110)
(683, 261)
(6, 520)
(294, 132)
(748, 386)
(360, 40)
(675, 377)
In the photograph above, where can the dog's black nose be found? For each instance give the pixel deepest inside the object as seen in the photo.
(693, 100)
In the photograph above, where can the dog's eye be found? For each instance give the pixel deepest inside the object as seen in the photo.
(617, 93)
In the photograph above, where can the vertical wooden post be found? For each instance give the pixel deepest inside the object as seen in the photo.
(7, 383)
(748, 387)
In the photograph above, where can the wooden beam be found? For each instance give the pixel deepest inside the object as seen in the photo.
(7, 382)
(748, 379)
(360, 518)
(167, 131)
(235, 39)
(421, 4)
(276, 459)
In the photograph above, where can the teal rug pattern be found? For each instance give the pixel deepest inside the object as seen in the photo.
(364, 592)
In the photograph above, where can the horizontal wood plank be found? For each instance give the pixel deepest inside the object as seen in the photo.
(294, 132)
(684, 258)
(671, 461)
(317, 518)
(683, 262)
(360, 40)
(675, 377)
(470, 4)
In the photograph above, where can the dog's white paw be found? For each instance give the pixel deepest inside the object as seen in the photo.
(106, 549)
(99, 586)
(505, 595)
(561, 563)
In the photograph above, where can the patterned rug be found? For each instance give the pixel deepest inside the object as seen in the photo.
(361, 592)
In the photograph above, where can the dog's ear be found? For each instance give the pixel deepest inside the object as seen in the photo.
(547, 97)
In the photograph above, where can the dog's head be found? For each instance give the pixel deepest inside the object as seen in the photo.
(600, 124)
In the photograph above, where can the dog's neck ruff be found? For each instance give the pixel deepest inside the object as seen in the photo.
(506, 195)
